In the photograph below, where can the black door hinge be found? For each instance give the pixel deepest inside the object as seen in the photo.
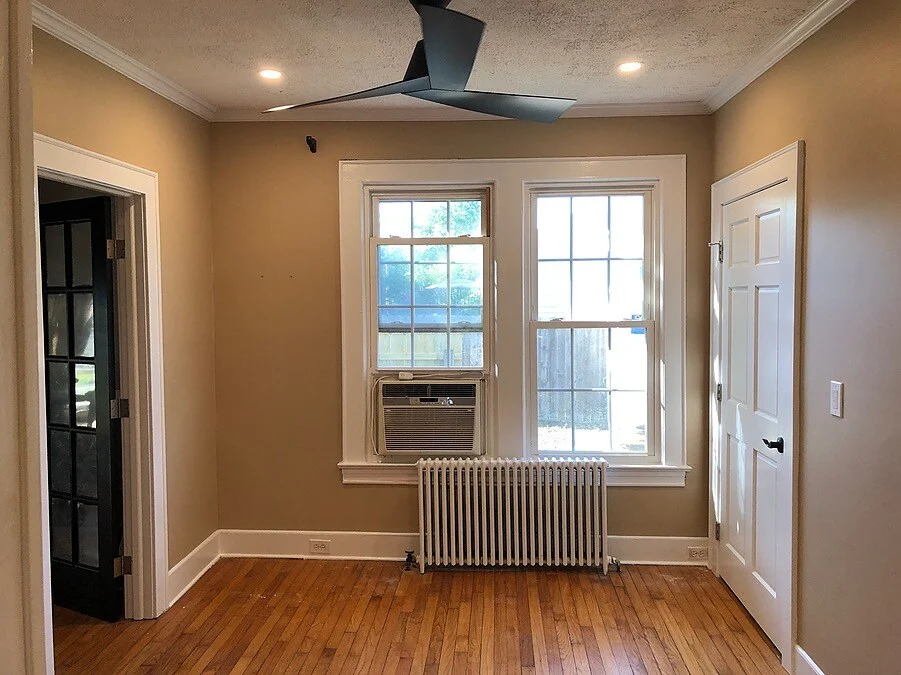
(719, 392)
(716, 531)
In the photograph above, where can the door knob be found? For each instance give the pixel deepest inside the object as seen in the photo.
(778, 444)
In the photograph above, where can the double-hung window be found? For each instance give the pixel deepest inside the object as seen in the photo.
(592, 323)
(429, 256)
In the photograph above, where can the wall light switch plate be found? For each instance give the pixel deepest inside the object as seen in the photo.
(837, 399)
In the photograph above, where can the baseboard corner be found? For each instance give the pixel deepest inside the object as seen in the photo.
(189, 569)
(804, 665)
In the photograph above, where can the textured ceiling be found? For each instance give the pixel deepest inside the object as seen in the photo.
(213, 48)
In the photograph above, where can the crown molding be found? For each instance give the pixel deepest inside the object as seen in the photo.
(61, 28)
(440, 113)
(809, 24)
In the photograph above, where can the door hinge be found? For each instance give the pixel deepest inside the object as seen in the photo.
(719, 392)
(719, 245)
(716, 531)
(121, 566)
(115, 249)
(119, 409)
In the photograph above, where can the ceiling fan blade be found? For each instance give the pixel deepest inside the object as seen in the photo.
(515, 106)
(418, 67)
(405, 87)
(451, 43)
(431, 3)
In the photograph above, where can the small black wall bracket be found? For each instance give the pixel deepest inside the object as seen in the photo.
(410, 561)
(313, 145)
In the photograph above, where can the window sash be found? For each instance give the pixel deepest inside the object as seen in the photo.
(486, 308)
(650, 322)
(412, 195)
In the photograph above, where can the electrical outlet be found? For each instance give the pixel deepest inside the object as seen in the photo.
(697, 552)
(320, 546)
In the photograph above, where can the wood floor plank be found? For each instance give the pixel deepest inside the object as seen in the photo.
(313, 616)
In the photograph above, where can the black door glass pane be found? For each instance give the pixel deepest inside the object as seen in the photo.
(83, 317)
(81, 254)
(88, 542)
(58, 393)
(86, 465)
(57, 325)
(60, 461)
(85, 396)
(61, 528)
(55, 255)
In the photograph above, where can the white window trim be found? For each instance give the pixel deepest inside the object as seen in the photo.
(511, 183)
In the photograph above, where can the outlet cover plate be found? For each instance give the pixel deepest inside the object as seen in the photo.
(697, 552)
(320, 546)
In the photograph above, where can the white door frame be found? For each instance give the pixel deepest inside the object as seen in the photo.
(786, 165)
(139, 307)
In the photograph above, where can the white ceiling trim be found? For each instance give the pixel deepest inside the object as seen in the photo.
(794, 36)
(440, 113)
(61, 28)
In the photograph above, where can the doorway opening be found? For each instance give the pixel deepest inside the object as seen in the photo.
(83, 410)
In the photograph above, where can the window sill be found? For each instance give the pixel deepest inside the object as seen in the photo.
(634, 475)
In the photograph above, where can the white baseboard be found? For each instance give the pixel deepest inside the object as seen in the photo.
(656, 550)
(380, 546)
(296, 544)
(193, 566)
(804, 665)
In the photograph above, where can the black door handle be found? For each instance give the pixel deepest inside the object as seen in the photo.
(778, 444)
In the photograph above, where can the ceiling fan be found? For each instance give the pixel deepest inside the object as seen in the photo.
(440, 68)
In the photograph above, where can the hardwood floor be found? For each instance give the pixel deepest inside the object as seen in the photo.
(293, 616)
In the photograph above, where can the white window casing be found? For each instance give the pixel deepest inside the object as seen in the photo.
(508, 348)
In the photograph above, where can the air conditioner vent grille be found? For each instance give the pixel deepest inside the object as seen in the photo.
(405, 390)
(429, 430)
(424, 389)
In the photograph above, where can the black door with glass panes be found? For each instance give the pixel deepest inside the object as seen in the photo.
(83, 440)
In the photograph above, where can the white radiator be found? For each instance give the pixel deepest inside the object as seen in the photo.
(492, 512)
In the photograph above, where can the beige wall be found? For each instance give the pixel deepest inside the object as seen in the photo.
(278, 328)
(78, 100)
(841, 93)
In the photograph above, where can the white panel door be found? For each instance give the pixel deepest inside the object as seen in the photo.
(756, 433)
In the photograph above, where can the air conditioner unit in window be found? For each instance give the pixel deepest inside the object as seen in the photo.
(430, 418)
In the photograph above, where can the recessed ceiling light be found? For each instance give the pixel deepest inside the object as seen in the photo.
(269, 74)
(630, 66)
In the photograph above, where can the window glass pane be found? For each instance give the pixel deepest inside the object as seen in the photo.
(627, 226)
(58, 393)
(430, 318)
(394, 318)
(590, 232)
(466, 283)
(81, 254)
(554, 358)
(430, 350)
(395, 350)
(466, 218)
(628, 358)
(85, 396)
(466, 317)
(629, 416)
(429, 219)
(589, 290)
(466, 253)
(57, 325)
(430, 284)
(394, 284)
(590, 358)
(553, 290)
(83, 319)
(394, 254)
(88, 539)
(627, 289)
(430, 253)
(466, 349)
(591, 421)
(395, 219)
(86, 465)
(61, 528)
(555, 421)
(553, 228)
(55, 255)
(60, 461)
